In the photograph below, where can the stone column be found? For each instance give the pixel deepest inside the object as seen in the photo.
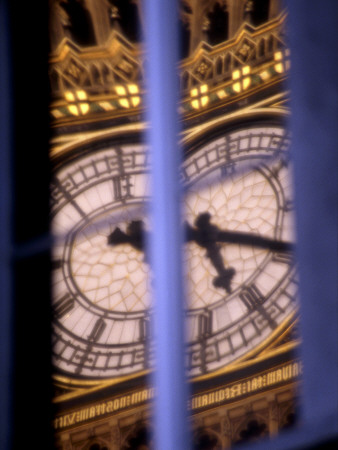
(236, 15)
(100, 13)
(273, 417)
(226, 431)
(115, 435)
(58, 23)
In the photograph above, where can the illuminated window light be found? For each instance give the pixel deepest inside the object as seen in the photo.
(198, 99)
(78, 105)
(282, 61)
(221, 93)
(128, 95)
(242, 79)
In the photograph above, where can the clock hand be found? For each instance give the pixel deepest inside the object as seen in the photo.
(205, 235)
(212, 233)
(205, 238)
(237, 237)
(134, 235)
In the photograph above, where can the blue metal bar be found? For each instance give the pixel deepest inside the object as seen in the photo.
(166, 240)
(313, 42)
(6, 363)
(314, 103)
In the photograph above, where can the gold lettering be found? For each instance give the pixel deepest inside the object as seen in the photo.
(71, 419)
(254, 384)
(204, 400)
(123, 401)
(193, 403)
(278, 375)
(144, 395)
(151, 392)
(227, 393)
(92, 412)
(135, 398)
(264, 380)
(286, 371)
(295, 369)
(221, 395)
(271, 378)
(116, 404)
(211, 398)
(235, 390)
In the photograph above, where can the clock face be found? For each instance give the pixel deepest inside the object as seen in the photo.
(241, 281)
(100, 292)
(238, 259)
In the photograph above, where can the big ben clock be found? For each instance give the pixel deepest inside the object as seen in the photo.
(240, 274)
(100, 293)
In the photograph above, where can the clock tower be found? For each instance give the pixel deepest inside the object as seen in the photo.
(241, 278)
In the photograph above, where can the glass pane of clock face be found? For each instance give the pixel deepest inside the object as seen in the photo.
(100, 291)
(239, 292)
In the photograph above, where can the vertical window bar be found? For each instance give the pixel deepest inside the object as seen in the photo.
(313, 41)
(5, 234)
(166, 240)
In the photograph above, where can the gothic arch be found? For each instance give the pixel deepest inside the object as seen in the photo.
(217, 23)
(97, 444)
(289, 418)
(80, 22)
(128, 18)
(251, 429)
(206, 439)
(139, 438)
(260, 12)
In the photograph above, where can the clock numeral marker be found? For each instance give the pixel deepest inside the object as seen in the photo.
(283, 257)
(97, 331)
(144, 327)
(253, 299)
(67, 195)
(205, 324)
(64, 305)
(231, 347)
(122, 187)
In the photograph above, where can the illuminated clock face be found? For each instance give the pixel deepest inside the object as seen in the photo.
(238, 253)
(241, 283)
(100, 292)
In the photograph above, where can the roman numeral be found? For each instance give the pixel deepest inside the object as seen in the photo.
(144, 327)
(64, 305)
(253, 299)
(283, 257)
(122, 187)
(205, 324)
(97, 330)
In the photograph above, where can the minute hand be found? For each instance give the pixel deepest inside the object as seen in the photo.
(255, 240)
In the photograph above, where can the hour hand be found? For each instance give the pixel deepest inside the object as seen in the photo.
(118, 237)
(134, 235)
(205, 235)
(224, 278)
